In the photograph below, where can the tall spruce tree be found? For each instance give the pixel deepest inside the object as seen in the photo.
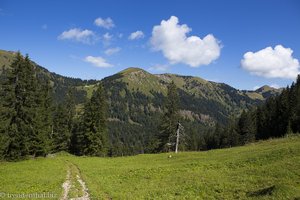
(293, 107)
(44, 119)
(247, 127)
(168, 125)
(94, 139)
(283, 113)
(63, 123)
(69, 104)
(72, 119)
(17, 114)
(8, 114)
(24, 125)
(61, 135)
(297, 106)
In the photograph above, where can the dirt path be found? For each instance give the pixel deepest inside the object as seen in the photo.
(74, 188)
(66, 186)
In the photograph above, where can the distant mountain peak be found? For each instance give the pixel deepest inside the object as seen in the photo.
(131, 70)
(265, 88)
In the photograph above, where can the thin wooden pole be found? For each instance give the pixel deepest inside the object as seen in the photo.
(177, 137)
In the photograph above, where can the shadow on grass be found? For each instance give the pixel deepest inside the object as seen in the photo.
(262, 192)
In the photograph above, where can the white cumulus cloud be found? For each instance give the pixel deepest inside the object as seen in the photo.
(171, 38)
(104, 23)
(97, 61)
(76, 34)
(107, 37)
(272, 63)
(136, 35)
(112, 51)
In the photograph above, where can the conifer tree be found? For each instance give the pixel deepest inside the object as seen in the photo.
(233, 136)
(16, 114)
(61, 135)
(283, 113)
(69, 104)
(44, 120)
(297, 107)
(94, 139)
(247, 127)
(261, 123)
(167, 128)
(293, 106)
(23, 112)
(7, 105)
(72, 120)
(32, 107)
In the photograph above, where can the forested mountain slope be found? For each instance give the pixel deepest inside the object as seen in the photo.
(60, 83)
(136, 98)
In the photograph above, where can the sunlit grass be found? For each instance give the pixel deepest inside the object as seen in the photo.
(268, 170)
(263, 170)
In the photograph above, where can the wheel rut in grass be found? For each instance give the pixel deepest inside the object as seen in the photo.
(74, 188)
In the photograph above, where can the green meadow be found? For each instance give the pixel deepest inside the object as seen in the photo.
(263, 170)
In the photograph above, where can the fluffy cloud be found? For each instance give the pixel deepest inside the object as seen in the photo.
(76, 34)
(104, 23)
(107, 37)
(112, 51)
(97, 61)
(171, 38)
(272, 63)
(136, 35)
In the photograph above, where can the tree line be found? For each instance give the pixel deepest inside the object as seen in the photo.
(277, 117)
(32, 125)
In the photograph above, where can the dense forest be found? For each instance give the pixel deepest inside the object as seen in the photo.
(277, 117)
(31, 125)
(43, 113)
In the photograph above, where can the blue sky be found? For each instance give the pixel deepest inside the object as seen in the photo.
(66, 38)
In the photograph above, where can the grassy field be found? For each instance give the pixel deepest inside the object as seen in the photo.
(32, 176)
(264, 170)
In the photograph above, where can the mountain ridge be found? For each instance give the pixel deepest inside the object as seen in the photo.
(136, 102)
(6, 58)
(155, 86)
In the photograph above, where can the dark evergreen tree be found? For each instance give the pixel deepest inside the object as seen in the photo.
(296, 122)
(247, 127)
(72, 118)
(69, 104)
(18, 109)
(25, 111)
(282, 114)
(213, 139)
(261, 123)
(167, 128)
(279, 116)
(61, 135)
(64, 126)
(44, 120)
(293, 107)
(232, 133)
(94, 138)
